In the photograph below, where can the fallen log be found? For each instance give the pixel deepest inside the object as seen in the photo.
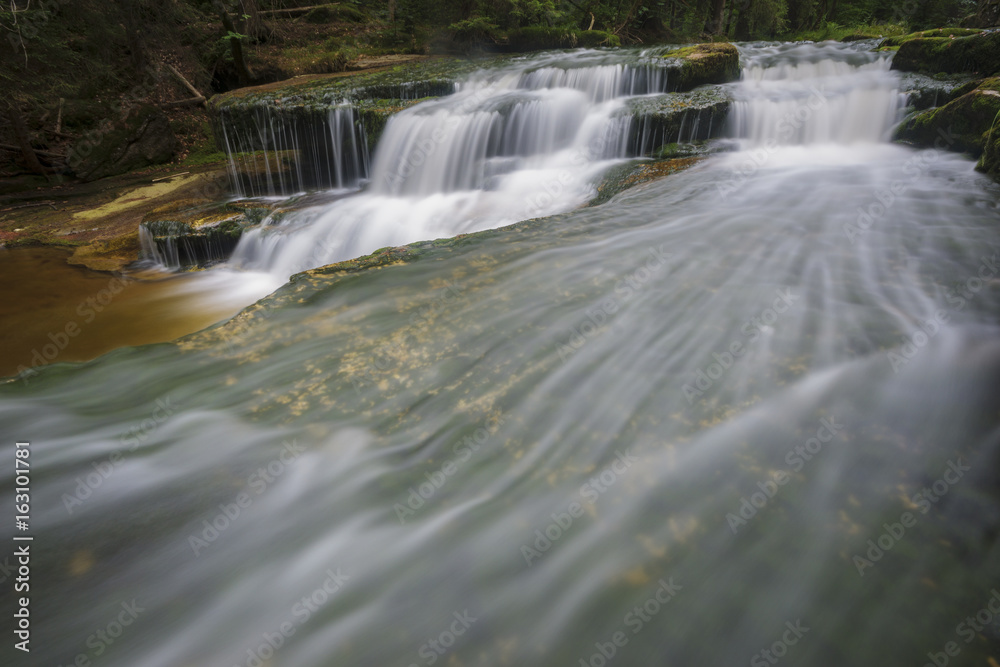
(292, 11)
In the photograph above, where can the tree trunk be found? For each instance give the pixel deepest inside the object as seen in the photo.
(743, 22)
(988, 14)
(716, 21)
(729, 19)
(392, 11)
(242, 71)
(24, 140)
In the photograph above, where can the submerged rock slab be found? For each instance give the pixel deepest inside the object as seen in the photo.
(628, 175)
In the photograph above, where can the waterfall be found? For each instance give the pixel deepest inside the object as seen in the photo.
(274, 151)
(815, 94)
(166, 255)
(521, 142)
(599, 83)
(745, 412)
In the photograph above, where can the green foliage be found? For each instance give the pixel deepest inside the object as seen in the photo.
(831, 30)
(475, 29)
(541, 37)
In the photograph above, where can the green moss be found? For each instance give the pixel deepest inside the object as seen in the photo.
(536, 38)
(703, 64)
(967, 123)
(846, 33)
(381, 257)
(989, 162)
(898, 40)
(978, 53)
(628, 175)
(423, 78)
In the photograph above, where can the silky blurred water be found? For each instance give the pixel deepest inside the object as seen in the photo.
(662, 430)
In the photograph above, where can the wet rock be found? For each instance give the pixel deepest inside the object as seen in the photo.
(967, 124)
(898, 40)
(924, 92)
(678, 118)
(977, 53)
(144, 138)
(703, 64)
(193, 233)
(628, 175)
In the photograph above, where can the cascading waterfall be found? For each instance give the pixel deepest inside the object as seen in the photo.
(814, 94)
(721, 419)
(600, 83)
(167, 256)
(507, 146)
(273, 151)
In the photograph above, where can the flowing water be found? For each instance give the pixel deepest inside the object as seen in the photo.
(751, 407)
(525, 140)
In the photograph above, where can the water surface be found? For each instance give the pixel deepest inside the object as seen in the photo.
(722, 414)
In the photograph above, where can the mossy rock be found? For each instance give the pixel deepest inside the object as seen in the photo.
(630, 174)
(421, 77)
(924, 92)
(989, 162)
(536, 38)
(381, 257)
(898, 40)
(703, 64)
(967, 124)
(978, 53)
(675, 119)
(142, 139)
(196, 233)
(83, 114)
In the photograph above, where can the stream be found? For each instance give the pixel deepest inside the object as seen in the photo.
(741, 415)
